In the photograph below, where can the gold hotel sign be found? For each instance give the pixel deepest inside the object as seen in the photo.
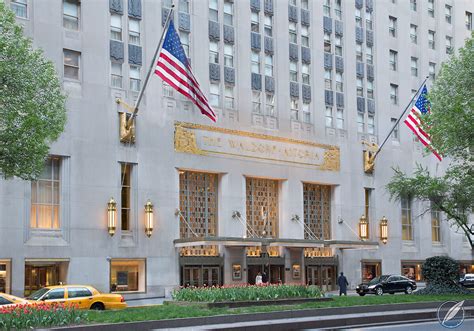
(209, 140)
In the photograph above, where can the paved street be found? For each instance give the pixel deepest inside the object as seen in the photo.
(427, 326)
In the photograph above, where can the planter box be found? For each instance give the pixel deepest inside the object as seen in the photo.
(239, 304)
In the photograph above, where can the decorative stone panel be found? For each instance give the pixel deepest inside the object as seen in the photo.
(116, 6)
(328, 60)
(305, 54)
(359, 34)
(134, 54)
(294, 89)
(229, 75)
(255, 41)
(306, 92)
(359, 4)
(268, 45)
(214, 71)
(293, 52)
(339, 63)
(305, 17)
(164, 15)
(360, 69)
(340, 99)
(338, 28)
(268, 7)
(135, 8)
(292, 13)
(269, 84)
(370, 37)
(255, 5)
(229, 34)
(328, 97)
(184, 22)
(256, 81)
(214, 31)
(116, 50)
(361, 104)
(327, 24)
(371, 106)
(370, 72)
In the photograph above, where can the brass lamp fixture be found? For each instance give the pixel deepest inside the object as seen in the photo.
(384, 230)
(111, 217)
(363, 228)
(148, 218)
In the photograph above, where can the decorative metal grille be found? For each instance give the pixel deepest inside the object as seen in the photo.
(317, 210)
(198, 205)
(257, 251)
(262, 206)
(318, 252)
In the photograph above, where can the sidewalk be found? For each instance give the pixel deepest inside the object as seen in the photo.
(146, 302)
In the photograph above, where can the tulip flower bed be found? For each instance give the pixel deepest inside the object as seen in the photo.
(23, 317)
(246, 293)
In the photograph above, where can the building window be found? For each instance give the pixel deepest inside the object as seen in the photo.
(135, 81)
(395, 132)
(133, 31)
(126, 195)
(5, 276)
(414, 66)
(304, 36)
(392, 27)
(413, 34)
(431, 39)
(447, 10)
(317, 211)
(293, 71)
(268, 26)
(435, 224)
(469, 21)
(43, 273)
(367, 199)
(45, 197)
(407, 228)
(339, 83)
(413, 5)
(213, 52)
(394, 94)
(183, 6)
(449, 45)
(368, 20)
(393, 60)
(20, 8)
(127, 275)
(269, 65)
(412, 270)
(304, 4)
(255, 62)
(431, 8)
(329, 117)
(262, 206)
(432, 70)
(293, 32)
(358, 18)
(371, 125)
(359, 54)
(229, 55)
(306, 112)
(229, 97)
(71, 14)
(338, 45)
(228, 12)
(270, 104)
(214, 94)
(71, 64)
(327, 8)
(360, 87)
(328, 79)
(360, 123)
(294, 108)
(184, 37)
(340, 118)
(255, 22)
(305, 73)
(370, 55)
(116, 75)
(327, 42)
(370, 89)
(213, 10)
(116, 27)
(370, 270)
(338, 9)
(256, 102)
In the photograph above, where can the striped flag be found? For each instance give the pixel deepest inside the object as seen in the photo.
(414, 121)
(174, 68)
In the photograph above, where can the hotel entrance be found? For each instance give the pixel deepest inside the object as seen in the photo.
(42, 273)
(275, 273)
(201, 276)
(322, 276)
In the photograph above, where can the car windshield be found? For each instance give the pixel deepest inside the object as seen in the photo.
(38, 294)
(377, 280)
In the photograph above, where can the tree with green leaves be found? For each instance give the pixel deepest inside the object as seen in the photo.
(451, 127)
(32, 104)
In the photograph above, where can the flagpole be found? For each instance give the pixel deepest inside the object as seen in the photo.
(152, 66)
(398, 121)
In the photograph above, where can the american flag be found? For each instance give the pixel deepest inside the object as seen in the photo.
(174, 68)
(414, 121)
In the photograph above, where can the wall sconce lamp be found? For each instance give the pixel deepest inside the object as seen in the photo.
(363, 228)
(384, 230)
(148, 218)
(111, 217)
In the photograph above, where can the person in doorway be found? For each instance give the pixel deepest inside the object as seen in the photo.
(264, 278)
(342, 282)
(258, 279)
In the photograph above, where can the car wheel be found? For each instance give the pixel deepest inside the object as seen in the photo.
(98, 306)
(361, 294)
(409, 290)
(379, 291)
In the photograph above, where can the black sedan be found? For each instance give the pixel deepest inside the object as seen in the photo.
(467, 280)
(387, 284)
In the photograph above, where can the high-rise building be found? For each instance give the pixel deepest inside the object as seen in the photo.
(276, 185)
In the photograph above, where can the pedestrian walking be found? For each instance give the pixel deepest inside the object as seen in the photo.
(342, 282)
(264, 278)
(258, 279)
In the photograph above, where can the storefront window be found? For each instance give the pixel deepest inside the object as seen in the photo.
(412, 270)
(370, 270)
(127, 275)
(5, 276)
(42, 273)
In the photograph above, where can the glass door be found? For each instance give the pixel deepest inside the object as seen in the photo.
(192, 276)
(312, 276)
(328, 278)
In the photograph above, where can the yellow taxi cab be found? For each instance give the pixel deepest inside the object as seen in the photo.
(7, 300)
(81, 296)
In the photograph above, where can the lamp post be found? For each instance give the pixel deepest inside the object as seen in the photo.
(148, 218)
(363, 228)
(384, 230)
(111, 217)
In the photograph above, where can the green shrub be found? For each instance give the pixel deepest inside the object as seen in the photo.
(442, 289)
(246, 293)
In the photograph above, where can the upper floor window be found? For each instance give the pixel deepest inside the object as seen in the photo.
(262, 208)
(435, 223)
(339, 82)
(413, 34)
(269, 65)
(255, 21)
(329, 117)
(305, 73)
(71, 14)
(358, 18)
(413, 5)
(392, 26)
(414, 66)
(306, 111)
(268, 20)
(20, 8)
(432, 70)
(213, 52)
(294, 108)
(270, 104)
(328, 79)
(359, 54)
(407, 227)
(305, 4)
(229, 97)
(395, 132)
(431, 8)
(116, 27)
(183, 6)
(293, 71)
(257, 102)
(340, 118)
(370, 89)
(229, 55)
(293, 32)
(327, 42)
(338, 45)
(126, 196)
(71, 64)
(214, 10)
(371, 124)
(469, 21)
(45, 196)
(360, 122)
(338, 9)
(184, 37)
(431, 39)
(317, 211)
(116, 74)
(255, 62)
(449, 45)
(368, 20)
(360, 87)
(393, 60)
(327, 8)
(447, 10)
(394, 94)
(133, 31)
(228, 12)
(135, 81)
(369, 55)
(214, 94)
(304, 36)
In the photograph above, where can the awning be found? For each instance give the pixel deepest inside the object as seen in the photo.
(349, 244)
(225, 241)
